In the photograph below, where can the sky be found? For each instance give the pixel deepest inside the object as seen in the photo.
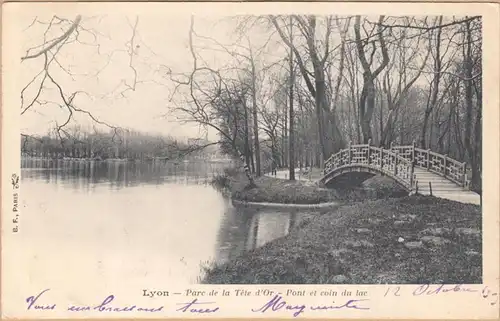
(102, 72)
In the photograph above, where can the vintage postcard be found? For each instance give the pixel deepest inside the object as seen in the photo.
(250, 160)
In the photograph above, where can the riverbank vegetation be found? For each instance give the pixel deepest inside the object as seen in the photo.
(275, 190)
(414, 239)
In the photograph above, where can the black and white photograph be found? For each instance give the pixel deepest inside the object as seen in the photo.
(268, 149)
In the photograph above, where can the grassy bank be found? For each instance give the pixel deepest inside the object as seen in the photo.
(275, 190)
(417, 239)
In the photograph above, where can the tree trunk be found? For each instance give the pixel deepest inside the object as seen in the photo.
(367, 105)
(247, 171)
(318, 89)
(255, 120)
(381, 123)
(367, 100)
(291, 149)
(478, 152)
(284, 154)
(476, 168)
(252, 163)
(467, 53)
(435, 87)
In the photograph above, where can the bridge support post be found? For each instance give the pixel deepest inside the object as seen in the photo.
(412, 170)
(465, 174)
(428, 159)
(445, 161)
(381, 158)
(350, 152)
(368, 152)
(395, 164)
(413, 153)
(412, 174)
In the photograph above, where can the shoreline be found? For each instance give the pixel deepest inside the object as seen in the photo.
(322, 205)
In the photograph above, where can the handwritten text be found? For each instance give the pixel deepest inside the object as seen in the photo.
(277, 303)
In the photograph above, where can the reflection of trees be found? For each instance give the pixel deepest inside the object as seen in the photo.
(246, 228)
(268, 225)
(233, 232)
(118, 174)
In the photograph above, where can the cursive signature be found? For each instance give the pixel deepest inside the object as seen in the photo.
(427, 289)
(351, 304)
(188, 307)
(277, 303)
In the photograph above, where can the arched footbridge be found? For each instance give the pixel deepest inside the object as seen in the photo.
(416, 170)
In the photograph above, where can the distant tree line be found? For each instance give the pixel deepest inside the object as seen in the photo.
(118, 144)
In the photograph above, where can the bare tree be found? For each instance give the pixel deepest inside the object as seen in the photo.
(291, 127)
(434, 84)
(404, 81)
(327, 120)
(470, 64)
(215, 102)
(367, 99)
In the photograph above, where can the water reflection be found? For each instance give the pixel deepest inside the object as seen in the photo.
(245, 228)
(267, 226)
(118, 174)
(158, 221)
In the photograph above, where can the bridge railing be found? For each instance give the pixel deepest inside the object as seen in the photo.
(387, 161)
(399, 162)
(442, 165)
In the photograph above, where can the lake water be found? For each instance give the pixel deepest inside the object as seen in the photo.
(134, 221)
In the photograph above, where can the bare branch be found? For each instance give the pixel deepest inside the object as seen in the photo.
(426, 28)
(58, 40)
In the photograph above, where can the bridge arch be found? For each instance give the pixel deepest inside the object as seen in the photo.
(400, 163)
(354, 175)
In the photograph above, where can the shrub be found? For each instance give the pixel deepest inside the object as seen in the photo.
(221, 181)
(232, 172)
